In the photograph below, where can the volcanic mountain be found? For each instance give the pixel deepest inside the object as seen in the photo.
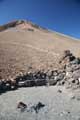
(25, 46)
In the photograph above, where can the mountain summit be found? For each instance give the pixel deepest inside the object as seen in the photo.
(23, 23)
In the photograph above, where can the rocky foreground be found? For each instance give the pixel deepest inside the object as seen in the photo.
(68, 74)
(51, 101)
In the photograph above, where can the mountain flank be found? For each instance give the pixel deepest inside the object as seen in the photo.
(26, 47)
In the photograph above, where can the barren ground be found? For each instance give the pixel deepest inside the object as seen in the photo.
(26, 48)
(22, 50)
(58, 106)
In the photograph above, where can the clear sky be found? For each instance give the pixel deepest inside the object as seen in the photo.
(59, 15)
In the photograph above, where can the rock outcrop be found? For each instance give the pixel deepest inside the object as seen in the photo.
(67, 74)
(71, 66)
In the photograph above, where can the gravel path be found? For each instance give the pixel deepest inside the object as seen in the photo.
(60, 104)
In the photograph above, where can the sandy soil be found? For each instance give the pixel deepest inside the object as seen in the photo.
(21, 49)
(58, 106)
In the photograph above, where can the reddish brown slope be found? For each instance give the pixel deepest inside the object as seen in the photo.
(25, 46)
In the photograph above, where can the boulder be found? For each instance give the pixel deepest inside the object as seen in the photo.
(67, 57)
(37, 107)
(76, 61)
(22, 106)
(76, 74)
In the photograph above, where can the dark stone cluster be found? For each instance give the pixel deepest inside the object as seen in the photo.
(68, 74)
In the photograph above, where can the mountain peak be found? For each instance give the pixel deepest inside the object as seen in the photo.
(11, 24)
(25, 24)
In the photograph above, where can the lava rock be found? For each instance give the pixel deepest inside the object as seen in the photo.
(37, 107)
(76, 74)
(22, 106)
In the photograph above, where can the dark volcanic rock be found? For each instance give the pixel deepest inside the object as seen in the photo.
(67, 57)
(72, 69)
(69, 74)
(37, 107)
(22, 106)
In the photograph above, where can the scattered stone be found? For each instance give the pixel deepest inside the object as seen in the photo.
(22, 106)
(73, 97)
(76, 61)
(21, 83)
(67, 57)
(76, 74)
(52, 82)
(60, 91)
(30, 29)
(38, 106)
(79, 79)
(68, 74)
(68, 112)
(62, 82)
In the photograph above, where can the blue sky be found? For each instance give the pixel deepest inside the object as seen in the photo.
(59, 15)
